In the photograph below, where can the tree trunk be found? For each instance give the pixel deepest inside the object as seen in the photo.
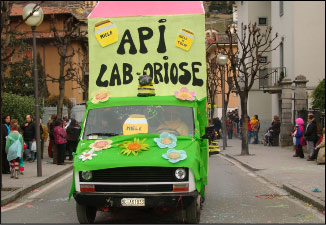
(61, 89)
(69, 112)
(244, 117)
(61, 96)
(212, 110)
(86, 95)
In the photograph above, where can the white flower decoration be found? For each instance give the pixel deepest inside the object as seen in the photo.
(87, 155)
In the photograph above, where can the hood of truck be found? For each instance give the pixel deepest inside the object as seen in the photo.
(196, 160)
(113, 158)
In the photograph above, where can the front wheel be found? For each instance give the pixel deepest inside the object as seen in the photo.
(193, 211)
(85, 214)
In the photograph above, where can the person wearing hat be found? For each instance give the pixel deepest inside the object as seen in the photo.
(299, 133)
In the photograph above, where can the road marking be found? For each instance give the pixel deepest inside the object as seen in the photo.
(31, 197)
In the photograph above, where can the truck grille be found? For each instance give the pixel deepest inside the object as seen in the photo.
(134, 188)
(137, 174)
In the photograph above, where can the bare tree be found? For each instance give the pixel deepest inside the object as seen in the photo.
(8, 42)
(82, 80)
(246, 60)
(10, 35)
(63, 42)
(214, 81)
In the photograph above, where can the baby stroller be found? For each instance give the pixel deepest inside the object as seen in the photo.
(268, 138)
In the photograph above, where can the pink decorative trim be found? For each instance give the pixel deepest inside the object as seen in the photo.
(145, 8)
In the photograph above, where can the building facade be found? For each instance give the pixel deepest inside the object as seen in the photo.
(48, 51)
(301, 24)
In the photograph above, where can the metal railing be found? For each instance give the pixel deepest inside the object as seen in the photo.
(271, 77)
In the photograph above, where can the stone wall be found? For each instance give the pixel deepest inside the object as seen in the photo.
(286, 126)
(289, 113)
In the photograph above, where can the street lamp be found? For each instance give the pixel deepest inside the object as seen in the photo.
(222, 60)
(33, 21)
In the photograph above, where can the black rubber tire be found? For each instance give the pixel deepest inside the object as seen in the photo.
(193, 212)
(85, 214)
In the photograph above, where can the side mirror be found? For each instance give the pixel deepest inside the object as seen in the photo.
(209, 133)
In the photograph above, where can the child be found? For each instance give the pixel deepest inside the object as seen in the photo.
(14, 149)
(299, 137)
(21, 160)
(293, 133)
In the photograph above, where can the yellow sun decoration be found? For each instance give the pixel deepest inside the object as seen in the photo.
(134, 147)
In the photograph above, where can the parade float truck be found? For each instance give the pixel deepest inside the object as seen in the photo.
(144, 136)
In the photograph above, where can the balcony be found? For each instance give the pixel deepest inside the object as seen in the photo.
(270, 79)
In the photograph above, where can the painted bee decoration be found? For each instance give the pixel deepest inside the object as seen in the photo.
(145, 80)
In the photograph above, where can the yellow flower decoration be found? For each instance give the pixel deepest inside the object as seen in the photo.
(100, 96)
(101, 144)
(134, 147)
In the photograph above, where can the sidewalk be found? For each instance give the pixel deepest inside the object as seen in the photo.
(14, 188)
(276, 165)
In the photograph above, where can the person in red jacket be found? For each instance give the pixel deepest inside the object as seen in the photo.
(249, 130)
(60, 135)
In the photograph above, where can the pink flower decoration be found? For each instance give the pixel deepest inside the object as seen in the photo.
(184, 94)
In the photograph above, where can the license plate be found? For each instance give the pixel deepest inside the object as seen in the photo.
(133, 202)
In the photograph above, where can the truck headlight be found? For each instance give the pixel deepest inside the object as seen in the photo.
(86, 175)
(180, 173)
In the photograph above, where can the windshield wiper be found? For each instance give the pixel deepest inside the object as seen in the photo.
(103, 134)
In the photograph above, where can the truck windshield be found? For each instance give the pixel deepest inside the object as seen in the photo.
(124, 120)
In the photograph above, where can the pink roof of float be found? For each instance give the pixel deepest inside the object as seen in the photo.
(145, 8)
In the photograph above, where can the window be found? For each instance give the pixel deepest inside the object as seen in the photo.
(263, 59)
(112, 121)
(281, 8)
(281, 55)
(242, 34)
(262, 21)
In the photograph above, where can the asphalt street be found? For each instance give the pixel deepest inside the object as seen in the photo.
(234, 195)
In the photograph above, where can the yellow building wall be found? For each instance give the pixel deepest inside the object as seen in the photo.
(50, 58)
(233, 100)
(52, 67)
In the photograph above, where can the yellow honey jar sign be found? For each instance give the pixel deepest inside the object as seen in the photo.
(185, 39)
(135, 124)
(106, 33)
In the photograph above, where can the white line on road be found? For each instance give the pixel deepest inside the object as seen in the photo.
(34, 195)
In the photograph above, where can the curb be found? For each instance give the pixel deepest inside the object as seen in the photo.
(24, 190)
(248, 166)
(320, 205)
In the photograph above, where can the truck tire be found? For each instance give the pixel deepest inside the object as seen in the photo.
(85, 214)
(193, 211)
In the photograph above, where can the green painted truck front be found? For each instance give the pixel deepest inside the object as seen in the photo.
(106, 194)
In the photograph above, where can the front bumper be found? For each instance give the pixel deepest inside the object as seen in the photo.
(151, 200)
